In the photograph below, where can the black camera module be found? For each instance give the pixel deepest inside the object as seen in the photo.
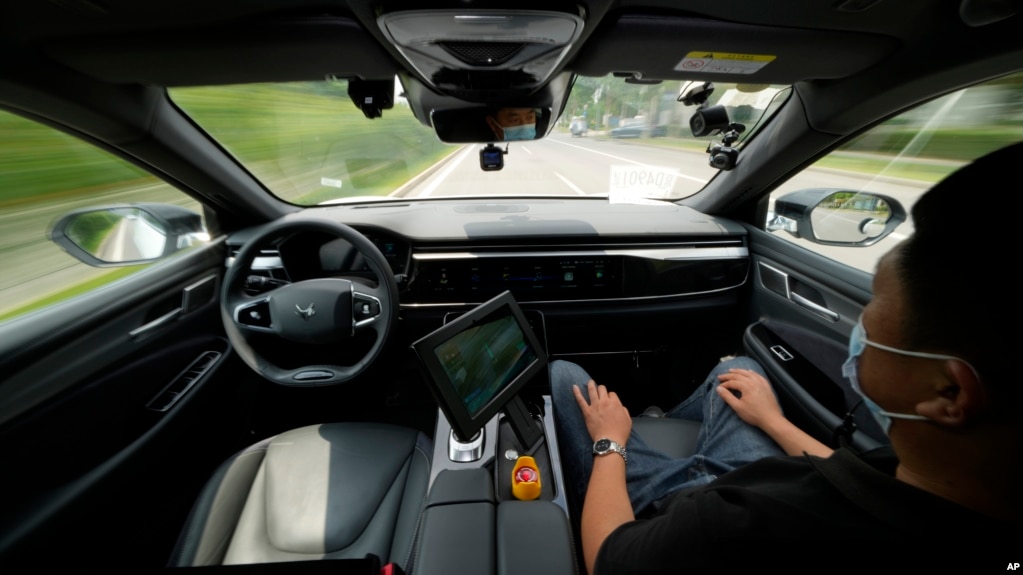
(723, 157)
(707, 121)
(491, 158)
(372, 96)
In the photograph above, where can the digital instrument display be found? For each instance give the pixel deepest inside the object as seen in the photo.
(582, 277)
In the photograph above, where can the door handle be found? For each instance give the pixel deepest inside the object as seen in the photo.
(814, 307)
(788, 287)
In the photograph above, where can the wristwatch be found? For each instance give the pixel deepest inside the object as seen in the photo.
(603, 446)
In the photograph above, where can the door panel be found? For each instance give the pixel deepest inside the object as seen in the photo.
(802, 308)
(113, 408)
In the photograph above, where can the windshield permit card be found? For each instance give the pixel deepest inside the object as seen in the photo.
(723, 62)
(630, 183)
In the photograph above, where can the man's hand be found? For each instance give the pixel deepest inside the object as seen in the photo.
(604, 414)
(607, 505)
(757, 405)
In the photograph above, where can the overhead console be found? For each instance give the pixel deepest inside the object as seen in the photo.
(482, 54)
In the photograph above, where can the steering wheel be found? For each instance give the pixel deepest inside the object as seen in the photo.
(313, 311)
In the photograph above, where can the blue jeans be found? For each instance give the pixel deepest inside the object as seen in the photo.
(724, 443)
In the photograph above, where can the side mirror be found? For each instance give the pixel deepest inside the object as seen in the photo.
(127, 234)
(836, 217)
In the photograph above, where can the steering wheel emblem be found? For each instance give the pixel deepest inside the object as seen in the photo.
(305, 313)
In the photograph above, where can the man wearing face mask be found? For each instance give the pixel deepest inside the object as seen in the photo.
(513, 124)
(932, 370)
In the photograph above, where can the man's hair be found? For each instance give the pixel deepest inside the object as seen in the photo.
(957, 269)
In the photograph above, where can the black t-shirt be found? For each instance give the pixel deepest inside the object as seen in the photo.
(792, 511)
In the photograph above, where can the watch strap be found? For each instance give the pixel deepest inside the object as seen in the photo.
(612, 447)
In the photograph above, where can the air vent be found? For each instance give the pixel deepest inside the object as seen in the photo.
(266, 272)
(483, 53)
(267, 260)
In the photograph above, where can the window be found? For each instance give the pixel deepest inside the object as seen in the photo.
(46, 174)
(904, 156)
(310, 145)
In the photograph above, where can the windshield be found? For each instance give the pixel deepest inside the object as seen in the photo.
(309, 144)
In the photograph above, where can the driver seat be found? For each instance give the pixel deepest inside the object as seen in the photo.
(331, 491)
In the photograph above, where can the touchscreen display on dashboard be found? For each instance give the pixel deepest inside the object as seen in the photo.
(577, 277)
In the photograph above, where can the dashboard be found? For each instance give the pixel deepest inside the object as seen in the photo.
(599, 271)
(457, 252)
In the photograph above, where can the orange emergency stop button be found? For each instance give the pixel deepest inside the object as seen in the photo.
(526, 479)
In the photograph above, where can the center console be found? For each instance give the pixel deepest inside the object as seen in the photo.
(498, 449)
(496, 501)
(473, 523)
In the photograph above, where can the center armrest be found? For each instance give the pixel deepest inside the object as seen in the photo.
(533, 537)
(457, 534)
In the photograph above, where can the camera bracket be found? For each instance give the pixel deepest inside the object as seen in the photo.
(722, 155)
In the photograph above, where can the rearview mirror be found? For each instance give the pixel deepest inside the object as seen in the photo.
(127, 234)
(491, 124)
(836, 217)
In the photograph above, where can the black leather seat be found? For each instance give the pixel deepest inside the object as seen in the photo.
(339, 490)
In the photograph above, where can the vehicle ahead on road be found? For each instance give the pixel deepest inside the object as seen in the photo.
(578, 127)
(638, 128)
(222, 223)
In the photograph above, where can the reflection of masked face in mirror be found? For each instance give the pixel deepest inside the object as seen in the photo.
(511, 124)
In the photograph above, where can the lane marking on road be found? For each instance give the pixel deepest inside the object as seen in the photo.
(444, 173)
(574, 187)
(699, 180)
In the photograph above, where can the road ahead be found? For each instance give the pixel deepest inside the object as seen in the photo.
(560, 165)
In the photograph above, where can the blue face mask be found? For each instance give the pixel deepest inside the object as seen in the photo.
(857, 343)
(523, 132)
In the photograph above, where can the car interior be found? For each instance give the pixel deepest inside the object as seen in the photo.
(278, 393)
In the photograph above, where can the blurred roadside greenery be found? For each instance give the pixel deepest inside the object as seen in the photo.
(303, 140)
(943, 153)
(924, 144)
(309, 143)
(70, 291)
(89, 230)
(38, 163)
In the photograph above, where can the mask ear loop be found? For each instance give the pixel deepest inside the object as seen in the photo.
(842, 435)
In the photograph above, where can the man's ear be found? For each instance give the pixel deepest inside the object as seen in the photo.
(959, 400)
(498, 130)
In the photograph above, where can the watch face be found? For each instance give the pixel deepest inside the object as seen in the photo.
(602, 445)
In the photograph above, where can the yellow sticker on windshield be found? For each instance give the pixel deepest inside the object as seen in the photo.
(723, 62)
